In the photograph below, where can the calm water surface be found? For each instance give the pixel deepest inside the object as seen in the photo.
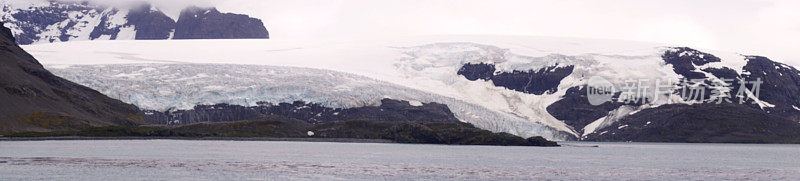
(272, 160)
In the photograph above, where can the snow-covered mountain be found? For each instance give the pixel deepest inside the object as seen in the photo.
(43, 21)
(522, 85)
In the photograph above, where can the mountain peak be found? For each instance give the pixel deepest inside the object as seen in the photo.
(6, 34)
(62, 21)
(208, 23)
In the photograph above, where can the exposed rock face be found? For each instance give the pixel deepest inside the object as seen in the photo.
(781, 84)
(36, 100)
(544, 80)
(62, 21)
(769, 113)
(31, 23)
(576, 111)
(389, 110)
(151, 24)
(773, 117)
(732, 123)
(474, 72)
(208, 23)
(684, 60)
(105, 28)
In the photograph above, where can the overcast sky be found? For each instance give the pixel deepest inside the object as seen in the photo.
(764, 27)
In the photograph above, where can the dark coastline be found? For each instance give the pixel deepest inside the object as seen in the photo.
(338, 140)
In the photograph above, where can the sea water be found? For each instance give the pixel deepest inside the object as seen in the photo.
(277, 160)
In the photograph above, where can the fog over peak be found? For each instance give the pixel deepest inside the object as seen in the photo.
(171, 8)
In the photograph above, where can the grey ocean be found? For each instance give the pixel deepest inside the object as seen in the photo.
(274, 160)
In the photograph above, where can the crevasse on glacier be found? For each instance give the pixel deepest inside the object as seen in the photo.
(182, 86)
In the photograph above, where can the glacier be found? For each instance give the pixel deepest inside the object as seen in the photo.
(165, 87)
(179, 74)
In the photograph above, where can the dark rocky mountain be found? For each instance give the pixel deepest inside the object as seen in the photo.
(576, 111)
(772, 117)
(574, 108)
(150, 24)
(389, 110)
(62, 21)
(751, 121)
(30, 23)
(208, 23)
(686, 65)
(707, 123)
(36, 100)
(544, 80)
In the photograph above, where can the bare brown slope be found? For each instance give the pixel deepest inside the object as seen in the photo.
(33, 99)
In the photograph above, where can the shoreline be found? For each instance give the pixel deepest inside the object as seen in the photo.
(331, 140)
(336, 140)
